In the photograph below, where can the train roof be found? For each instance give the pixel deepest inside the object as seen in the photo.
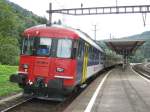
(43, 30)
(61, 32)
(87, 38)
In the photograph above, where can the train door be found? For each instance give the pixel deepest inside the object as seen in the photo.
(85, 63)
(80, 60)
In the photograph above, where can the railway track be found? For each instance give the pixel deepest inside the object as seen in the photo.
(36, 105)
(142, 70)
(16, 105)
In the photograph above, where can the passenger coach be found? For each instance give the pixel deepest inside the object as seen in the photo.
(55, 60)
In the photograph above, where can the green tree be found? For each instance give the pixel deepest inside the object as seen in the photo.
(9, 55)
(13, 21)
(7, 20)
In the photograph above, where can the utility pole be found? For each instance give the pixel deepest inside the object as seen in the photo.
(95, 30)
(116, 3)
(50, 15)
(117, 10)
(110, 36)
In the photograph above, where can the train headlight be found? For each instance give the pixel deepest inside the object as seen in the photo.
(30, 82)
(58, 69)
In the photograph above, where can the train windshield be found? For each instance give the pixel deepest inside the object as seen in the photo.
(42, 46)
(64, 48)
(37, 46)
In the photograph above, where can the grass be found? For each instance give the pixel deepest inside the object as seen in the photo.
(7, 87)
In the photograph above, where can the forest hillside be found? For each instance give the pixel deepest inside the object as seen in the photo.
(13, 20)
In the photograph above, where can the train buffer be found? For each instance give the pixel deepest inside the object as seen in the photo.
(114, 91)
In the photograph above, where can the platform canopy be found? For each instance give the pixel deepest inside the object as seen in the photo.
(124, 47)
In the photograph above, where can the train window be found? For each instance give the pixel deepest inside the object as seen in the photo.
(43, 49)
(28, 44)
(64, 48)
(102, 58)
(54, 48)
(39, 46)
(80, 49)
(74, 50)
(24, 45)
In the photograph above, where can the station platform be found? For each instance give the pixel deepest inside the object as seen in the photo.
(121, 91)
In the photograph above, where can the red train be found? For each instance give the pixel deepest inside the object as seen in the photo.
(55, 60)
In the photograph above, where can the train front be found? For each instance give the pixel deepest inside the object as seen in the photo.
(47, 67)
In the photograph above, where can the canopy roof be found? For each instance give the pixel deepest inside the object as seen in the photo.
(124, 46)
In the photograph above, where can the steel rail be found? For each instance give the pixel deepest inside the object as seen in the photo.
(16, 105)
(141, 72)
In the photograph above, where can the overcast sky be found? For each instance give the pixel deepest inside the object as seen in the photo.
(116, 25)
